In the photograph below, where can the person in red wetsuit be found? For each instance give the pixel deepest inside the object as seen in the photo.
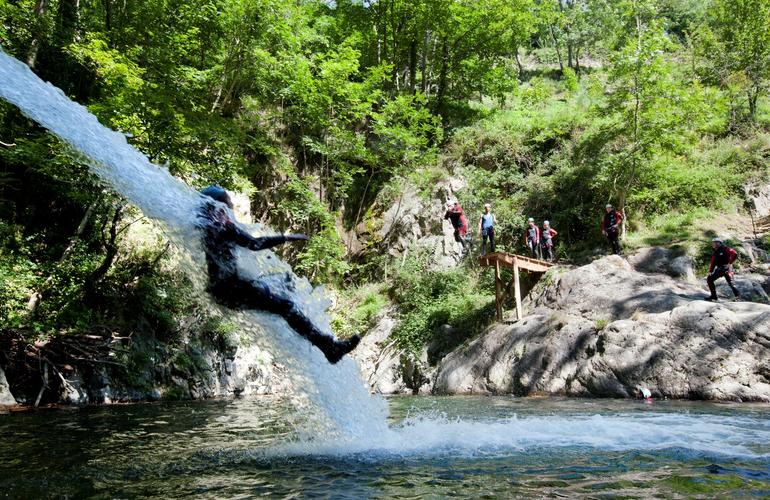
(456, 216)
(611, 227)
(722, 259)
(547, 236)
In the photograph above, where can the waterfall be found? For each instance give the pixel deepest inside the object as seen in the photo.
(346, 407)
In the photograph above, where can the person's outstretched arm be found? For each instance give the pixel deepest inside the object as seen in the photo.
(244, 239)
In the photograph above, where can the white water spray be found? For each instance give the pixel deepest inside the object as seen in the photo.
(347, 408)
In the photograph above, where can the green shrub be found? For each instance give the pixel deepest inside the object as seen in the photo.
(427, 299)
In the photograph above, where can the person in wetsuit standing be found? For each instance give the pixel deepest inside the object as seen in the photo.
(721, 266)
(221, 236)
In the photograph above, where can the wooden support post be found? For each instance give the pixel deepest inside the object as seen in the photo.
(517, 289)
(498, 297)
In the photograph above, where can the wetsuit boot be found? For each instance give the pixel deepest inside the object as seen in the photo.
(332, 348)
(712, 289)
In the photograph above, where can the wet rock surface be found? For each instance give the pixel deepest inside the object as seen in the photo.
(603, 329)
(388, 369)
(6, 398)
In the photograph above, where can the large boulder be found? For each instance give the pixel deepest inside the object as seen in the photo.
(388, 369)
(759, 195)
(6, 398)
(604, 329)
(663, 261)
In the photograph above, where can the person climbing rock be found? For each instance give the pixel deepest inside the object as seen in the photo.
(611, 227)
(221, 237)
(722, 259)
(456, 216)
(532, 238)
(487, 229)
(547, 236)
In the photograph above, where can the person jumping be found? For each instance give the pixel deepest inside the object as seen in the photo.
(221, 235)
(722, 259)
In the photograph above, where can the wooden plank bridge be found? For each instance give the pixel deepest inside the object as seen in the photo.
(516, 262)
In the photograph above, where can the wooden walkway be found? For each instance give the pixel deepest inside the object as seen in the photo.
(516, 262)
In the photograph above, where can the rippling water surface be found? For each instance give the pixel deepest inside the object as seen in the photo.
(435, 447)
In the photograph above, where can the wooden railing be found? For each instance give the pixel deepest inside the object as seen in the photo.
(516, 262)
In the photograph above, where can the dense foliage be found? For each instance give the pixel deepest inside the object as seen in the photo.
(321, 110)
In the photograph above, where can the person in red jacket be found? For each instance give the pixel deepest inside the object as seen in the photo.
(456, 216)
(722, 259)
(532, 238)
(611, 227)
(548, 234)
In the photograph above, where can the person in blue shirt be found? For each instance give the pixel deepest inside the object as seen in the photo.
(487, 229)
(221, 237)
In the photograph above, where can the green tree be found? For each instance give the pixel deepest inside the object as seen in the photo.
(735, 50)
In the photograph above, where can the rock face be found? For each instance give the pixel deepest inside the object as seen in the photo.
(387, 369)
(6, 398)
(195, 372)
(664, 261)
(760, 197)
(605, 328)
(414, 224)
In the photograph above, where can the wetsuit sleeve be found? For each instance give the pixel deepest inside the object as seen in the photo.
(731, 255)
(713, 260)
(244, 239)
(553, 233)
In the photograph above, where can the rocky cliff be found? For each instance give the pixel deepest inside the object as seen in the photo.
(605, 328)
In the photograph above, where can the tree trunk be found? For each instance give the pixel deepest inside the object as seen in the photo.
(37, 296)
(412, 65)
(424, 62)
(110, 254)
(577, 61)
(107, 15)
(34, 47)
(556, 45)
(752, 97)
(67, 21)
(442, 79)
(518, 63)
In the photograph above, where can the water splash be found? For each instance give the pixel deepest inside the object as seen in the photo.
(432, 434)
(338, 390)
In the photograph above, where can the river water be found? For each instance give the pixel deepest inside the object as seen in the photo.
(434, 447)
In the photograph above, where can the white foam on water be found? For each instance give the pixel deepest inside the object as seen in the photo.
(435, 435)
(338, 390)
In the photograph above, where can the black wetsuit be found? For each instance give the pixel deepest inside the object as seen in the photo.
(610, 226)
(221, 236)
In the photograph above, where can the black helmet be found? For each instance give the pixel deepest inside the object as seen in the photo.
(218, 193)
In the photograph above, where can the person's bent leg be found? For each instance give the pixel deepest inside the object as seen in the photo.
(257, 295)
(729, 280)
(712, 288)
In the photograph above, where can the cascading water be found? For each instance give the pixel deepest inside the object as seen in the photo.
(337, 390)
